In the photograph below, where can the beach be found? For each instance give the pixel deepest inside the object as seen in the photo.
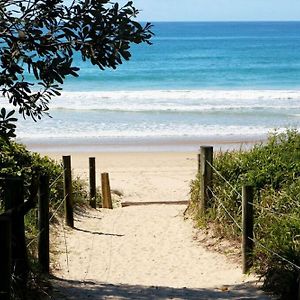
(226, 85)
(138, 175)
(142, 145)
(197, 82)
(143, 252)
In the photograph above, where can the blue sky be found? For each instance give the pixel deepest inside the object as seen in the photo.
(218, 10)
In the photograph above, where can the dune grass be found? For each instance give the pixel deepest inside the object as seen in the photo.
(273, 168)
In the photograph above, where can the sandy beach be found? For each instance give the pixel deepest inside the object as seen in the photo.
(137, 145)
(143, 252)
(159, 176)
(141, 97)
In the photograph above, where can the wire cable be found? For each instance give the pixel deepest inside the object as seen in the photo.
(218, 173)
(56, 179)
(50, 219)
(274, 253)
(254, 240)
(226, 210)
(253, 204)
(271, 211)
(57, 209)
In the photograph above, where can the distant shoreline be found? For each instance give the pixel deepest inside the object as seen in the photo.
(174, 144)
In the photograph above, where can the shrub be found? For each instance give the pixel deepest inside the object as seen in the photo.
(16, 160)
(273, 168)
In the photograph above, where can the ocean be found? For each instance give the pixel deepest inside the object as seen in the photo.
(199, 81)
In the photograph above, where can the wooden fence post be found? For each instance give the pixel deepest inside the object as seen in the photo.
(199, 162)
(14, 197)
(68, 191)
(92, 173)
(5, 258)
(206, 174)
(43, 222)
(247, 226)
(106, 193)
(298, 286)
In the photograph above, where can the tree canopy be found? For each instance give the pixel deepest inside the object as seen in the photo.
(38, 39)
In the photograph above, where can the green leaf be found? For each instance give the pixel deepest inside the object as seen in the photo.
(10, 113)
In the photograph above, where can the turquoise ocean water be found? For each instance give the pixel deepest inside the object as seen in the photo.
(197, 81)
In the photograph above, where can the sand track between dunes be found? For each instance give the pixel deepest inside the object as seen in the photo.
(144, 252)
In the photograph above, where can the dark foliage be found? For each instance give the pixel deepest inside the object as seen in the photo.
(39, 38)
(17, 161)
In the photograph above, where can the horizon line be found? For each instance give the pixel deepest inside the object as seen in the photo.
(219, 21)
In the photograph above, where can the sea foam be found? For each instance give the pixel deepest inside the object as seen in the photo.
(178, 100)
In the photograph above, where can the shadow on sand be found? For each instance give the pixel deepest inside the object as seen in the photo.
(96, 232)
(82, 213)
(72, 289)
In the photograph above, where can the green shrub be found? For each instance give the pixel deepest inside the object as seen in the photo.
(16, 160)
(273, 168)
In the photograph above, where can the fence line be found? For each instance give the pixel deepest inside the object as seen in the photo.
(276, 254)
(92, 181)
(57, 209)
(253, 239)
(50, 219)
(226, 210)
(14, 214)
(271, 211)
(248, 239)
(56, 179)
(5, 239)
(233, 188)
(251, 203)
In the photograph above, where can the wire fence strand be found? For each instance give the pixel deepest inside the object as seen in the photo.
(253, 204)
(226, 210)
(252, 239)
(56, 179)
(50, 219)
(271, 211)
(218, 173)
(274, 253)
(57, 209)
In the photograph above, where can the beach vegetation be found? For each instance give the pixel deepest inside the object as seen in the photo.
(273, 168)
(17, 161)
(40, 38)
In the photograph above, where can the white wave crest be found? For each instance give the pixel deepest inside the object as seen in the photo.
(178, 100)
(171, 130)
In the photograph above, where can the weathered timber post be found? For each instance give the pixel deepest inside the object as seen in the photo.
(43, 222)
(106, 193)
(298, 286)
(206, 175)
(199, 162)
(247, 227)
(92, 173)
(5, 258)
(68, 191)
(13, 198)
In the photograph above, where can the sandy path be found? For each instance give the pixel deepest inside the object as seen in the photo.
(144, 252)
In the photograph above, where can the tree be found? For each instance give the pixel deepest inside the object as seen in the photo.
(38, 39)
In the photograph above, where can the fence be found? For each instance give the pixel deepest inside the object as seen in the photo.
(206, 171)
(12, 230)
(13, 259)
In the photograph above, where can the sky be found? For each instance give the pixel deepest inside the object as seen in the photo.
(218, 10)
